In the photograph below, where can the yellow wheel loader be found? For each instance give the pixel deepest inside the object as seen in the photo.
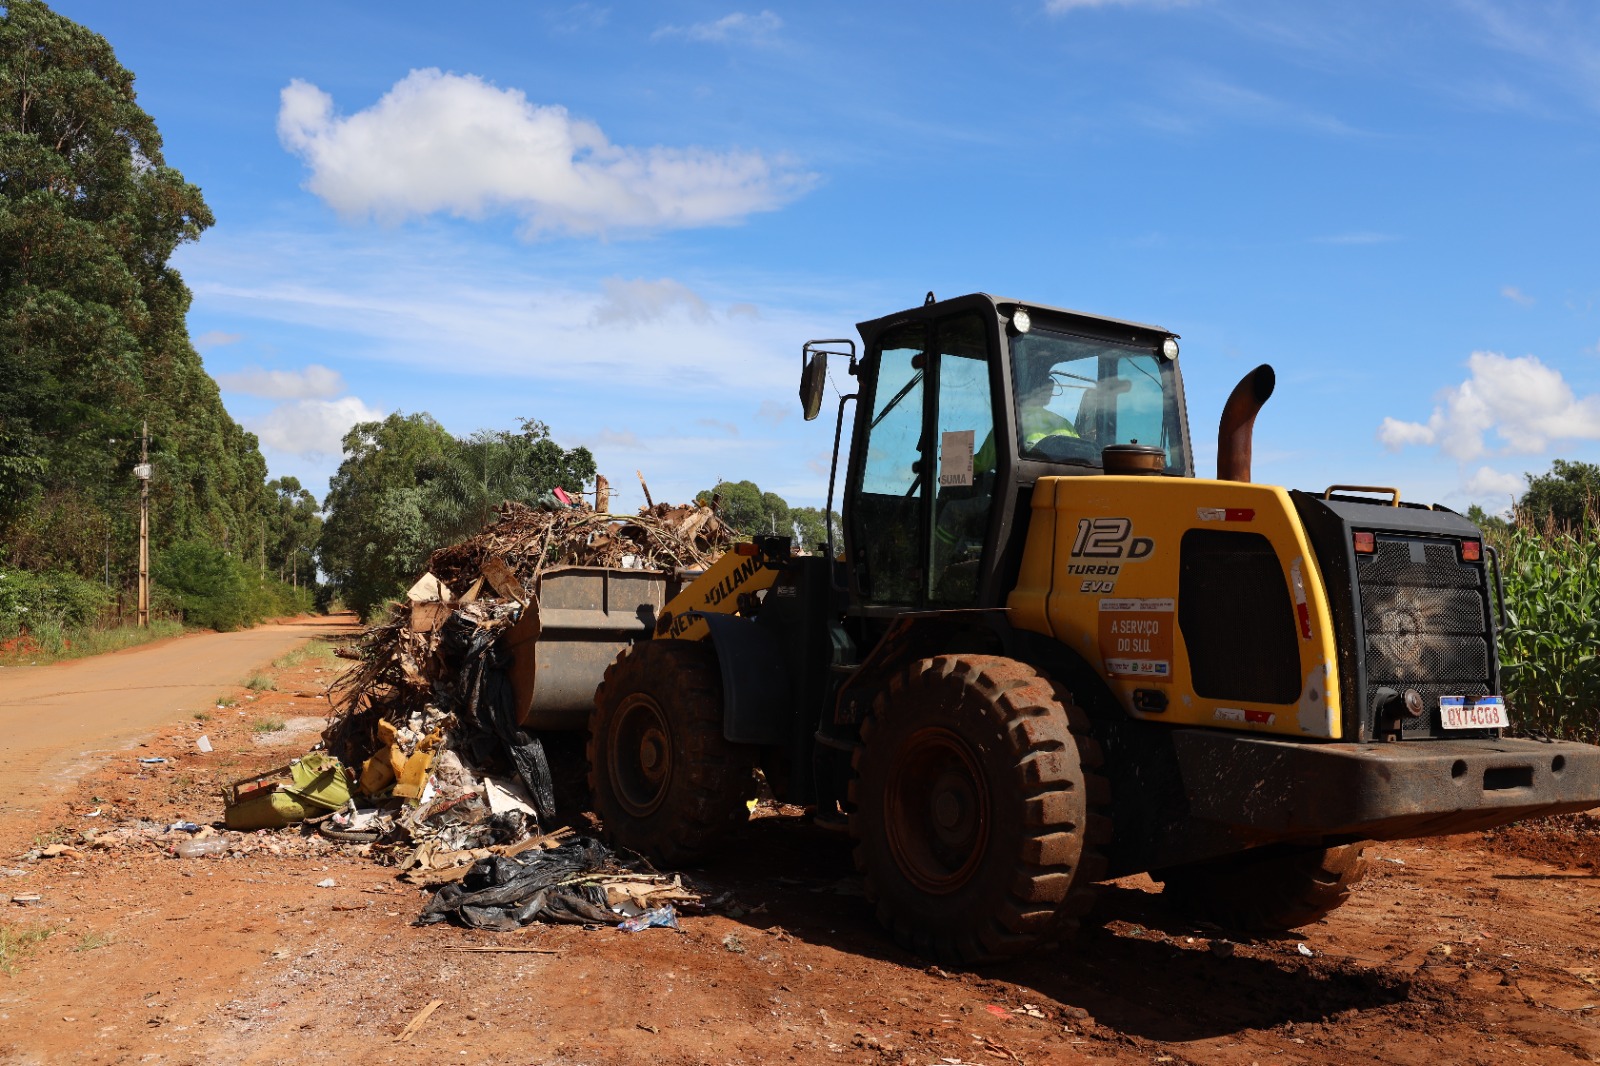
(1044, 653)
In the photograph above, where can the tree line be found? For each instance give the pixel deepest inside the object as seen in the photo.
(94, 346)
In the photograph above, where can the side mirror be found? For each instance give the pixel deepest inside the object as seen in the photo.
(813, 379)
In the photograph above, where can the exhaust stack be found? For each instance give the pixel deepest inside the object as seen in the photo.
(1238, 423)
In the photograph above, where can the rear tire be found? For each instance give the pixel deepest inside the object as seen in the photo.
(977, 809)
(663, 779)
(1271, 890)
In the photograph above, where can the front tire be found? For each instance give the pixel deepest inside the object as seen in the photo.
(1271, 890)
(664, 781)
(977, 809)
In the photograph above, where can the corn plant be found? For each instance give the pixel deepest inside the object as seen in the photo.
(1550, 647)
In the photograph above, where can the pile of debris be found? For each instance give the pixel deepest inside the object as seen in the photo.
(445, 783)
(529, 540)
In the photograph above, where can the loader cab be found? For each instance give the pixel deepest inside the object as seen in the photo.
(963, 404)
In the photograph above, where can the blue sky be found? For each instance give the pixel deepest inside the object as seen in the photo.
(624, 220)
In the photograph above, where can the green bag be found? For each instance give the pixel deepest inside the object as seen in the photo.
(317, 784)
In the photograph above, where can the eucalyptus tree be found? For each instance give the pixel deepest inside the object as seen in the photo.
(93, 339)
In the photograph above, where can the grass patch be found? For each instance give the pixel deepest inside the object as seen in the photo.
(90, 941)
(317, 652)
(259, 682)
(53, 644)
(202, 716)
(268, 725)
(17, 940)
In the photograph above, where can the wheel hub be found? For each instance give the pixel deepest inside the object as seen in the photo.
(639, 755)
(937, 811)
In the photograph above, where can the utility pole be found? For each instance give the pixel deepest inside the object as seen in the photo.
(142, 472)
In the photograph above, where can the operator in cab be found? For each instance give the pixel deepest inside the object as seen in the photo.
(1033, 412)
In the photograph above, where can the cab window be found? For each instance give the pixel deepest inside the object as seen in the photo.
(1075, 395)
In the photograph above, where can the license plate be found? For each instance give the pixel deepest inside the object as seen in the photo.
(1473, 712)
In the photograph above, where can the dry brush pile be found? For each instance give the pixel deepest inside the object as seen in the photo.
(431, 677)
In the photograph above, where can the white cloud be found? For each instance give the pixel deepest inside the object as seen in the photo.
(1516, 296)
(1248, 105)
(1557, 40)
(480, 314)
(638, 301)
(579, 18)
(1395, 434)
(622, 439)
(1523, 402)
(771, 413)
(216, 338)
(455, 144)
(1061, 7)
(313, 383)
(736, 28)
(1488, 483)
(312, 427)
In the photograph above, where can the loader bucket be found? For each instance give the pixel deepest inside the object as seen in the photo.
(580, 619)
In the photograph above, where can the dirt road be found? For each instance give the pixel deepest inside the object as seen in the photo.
(1476, 949)
(53, 716)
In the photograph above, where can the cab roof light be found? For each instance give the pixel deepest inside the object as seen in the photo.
(1471, 551)
(1365, 543)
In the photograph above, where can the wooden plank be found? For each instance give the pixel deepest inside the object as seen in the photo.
(416, 1023)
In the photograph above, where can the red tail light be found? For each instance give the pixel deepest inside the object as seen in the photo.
(1366, 543)
(1471, 551)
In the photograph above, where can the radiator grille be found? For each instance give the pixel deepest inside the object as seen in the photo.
(1237, 619)
(1426, 620)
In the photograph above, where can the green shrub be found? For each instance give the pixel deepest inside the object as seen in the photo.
(208, 585)
(216, 590)
(49, 603)
(1548, 651)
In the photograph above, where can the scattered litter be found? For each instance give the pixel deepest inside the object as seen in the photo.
(184, 827)
(995, 1008)
(327, 882)
(504, 892)
(1302, 949)
(32, 899)
(510, 949)
(416, 1023)
(203, 743)
(93, 814)
(732, 943)
(663, 916)
(199, 848)
(1031, 1010)
(152, 760)
(311, 785)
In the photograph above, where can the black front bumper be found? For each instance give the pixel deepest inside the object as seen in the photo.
(1275, 790)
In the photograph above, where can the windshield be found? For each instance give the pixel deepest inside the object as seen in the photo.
(1075, 395)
